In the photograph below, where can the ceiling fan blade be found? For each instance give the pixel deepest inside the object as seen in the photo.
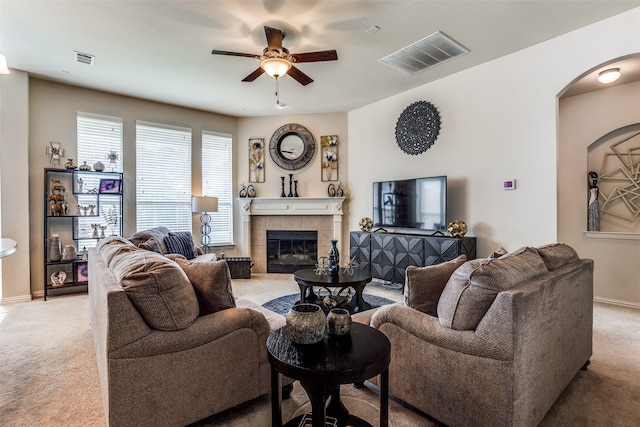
(323, 55)
(274, 38)
(299, 76)
(251, 77)
(224, 52)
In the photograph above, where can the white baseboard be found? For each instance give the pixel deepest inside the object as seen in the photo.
(13, 300)
(618, 302)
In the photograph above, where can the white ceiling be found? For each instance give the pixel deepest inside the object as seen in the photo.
(161, 50)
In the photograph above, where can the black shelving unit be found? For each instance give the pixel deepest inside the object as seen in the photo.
(84, 200)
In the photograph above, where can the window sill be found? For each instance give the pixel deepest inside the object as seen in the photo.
(617, 235)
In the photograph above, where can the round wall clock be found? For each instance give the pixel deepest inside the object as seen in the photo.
(417, 127)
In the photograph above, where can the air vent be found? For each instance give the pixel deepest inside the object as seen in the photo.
(84, 58)
(426, 53)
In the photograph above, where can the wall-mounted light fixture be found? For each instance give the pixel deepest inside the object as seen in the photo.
(609, 76)
(3, 64)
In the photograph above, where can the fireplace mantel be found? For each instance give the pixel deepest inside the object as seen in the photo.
(288, 206)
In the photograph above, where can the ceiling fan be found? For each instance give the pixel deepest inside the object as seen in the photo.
(277, 61)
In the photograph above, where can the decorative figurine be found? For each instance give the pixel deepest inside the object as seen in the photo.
(593, 208)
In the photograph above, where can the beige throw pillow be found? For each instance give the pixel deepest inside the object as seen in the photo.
(211, 282)
(424, 285)
(158, 288)
(473, 287)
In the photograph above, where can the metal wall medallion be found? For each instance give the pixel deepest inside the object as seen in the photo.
(292, 146)
(417, 127)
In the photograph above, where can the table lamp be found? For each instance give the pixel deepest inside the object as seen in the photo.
(204, 205)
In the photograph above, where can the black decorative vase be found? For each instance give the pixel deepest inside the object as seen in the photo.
(283, 194)
(333, 258)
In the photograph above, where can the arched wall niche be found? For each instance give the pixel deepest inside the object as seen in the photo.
(588, 123)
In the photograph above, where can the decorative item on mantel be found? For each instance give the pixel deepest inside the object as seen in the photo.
(306, 323)
(333, 258)
(290, 185)
(457, 228)
(329, 169)
(332, 191)
(283, 194)
(256, 160)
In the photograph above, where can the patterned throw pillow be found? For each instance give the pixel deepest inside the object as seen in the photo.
(180, 243)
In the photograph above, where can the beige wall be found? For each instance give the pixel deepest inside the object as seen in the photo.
(582, 120)
(52, 116)
(14, 181)
(499, 121)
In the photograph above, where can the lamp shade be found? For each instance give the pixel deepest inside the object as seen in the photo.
(204, 204)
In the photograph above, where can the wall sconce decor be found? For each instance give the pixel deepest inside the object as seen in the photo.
(256, 160)
(329, 168)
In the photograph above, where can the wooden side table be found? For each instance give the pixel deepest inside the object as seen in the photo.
(321, 368)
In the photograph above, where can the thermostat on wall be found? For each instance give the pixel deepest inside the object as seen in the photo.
(509, 184)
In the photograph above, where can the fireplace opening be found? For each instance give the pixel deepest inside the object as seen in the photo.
(288, 251)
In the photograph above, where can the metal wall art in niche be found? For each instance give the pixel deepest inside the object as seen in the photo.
(256, 160)
(417, 127)
(329, 169)
(619, 185)
(292, 146)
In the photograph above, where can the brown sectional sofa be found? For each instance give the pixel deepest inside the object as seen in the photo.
(161, 361)
(512, 332)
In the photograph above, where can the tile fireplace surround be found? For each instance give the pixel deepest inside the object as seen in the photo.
(322, 214)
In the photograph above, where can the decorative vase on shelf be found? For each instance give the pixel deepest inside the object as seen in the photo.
(98, 166)
(306, 323)
(339, 322)
(69, 253)
(55, 248)
(333, 258)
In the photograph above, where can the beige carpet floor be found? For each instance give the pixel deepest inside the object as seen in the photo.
(48, 374)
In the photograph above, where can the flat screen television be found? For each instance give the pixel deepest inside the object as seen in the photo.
(419, 203)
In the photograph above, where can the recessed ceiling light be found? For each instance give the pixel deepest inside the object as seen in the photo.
(609, 76)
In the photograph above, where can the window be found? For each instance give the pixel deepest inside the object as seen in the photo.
(163, 177)
(97, 136)
(216, 181)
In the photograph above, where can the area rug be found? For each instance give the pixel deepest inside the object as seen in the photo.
(282, 305)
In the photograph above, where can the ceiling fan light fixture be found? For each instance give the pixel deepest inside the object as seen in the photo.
(609, 76)
(275, 67)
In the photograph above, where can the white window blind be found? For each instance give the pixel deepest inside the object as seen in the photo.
(163, 177)
(96, 137)
(216, 181)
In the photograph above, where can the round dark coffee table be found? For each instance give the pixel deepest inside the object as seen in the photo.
(321, 368)
(307, 279)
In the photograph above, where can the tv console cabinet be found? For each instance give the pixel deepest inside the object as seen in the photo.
(386, 255)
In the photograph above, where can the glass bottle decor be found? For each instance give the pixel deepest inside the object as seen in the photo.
(334, 258)
(55, 248)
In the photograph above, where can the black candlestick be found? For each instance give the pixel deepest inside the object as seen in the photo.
(295, 188)
(283, 194)
(290, 185)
